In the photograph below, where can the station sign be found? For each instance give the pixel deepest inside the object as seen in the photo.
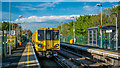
(12, 32)
(108, 31)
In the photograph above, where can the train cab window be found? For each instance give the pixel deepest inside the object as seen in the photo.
(40, 34)
(56, 34)
(49, 34)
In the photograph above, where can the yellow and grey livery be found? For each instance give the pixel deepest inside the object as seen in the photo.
(46, 41)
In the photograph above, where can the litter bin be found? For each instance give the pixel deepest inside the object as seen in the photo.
(71, 41)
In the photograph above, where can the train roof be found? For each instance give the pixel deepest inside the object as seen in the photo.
(48, 28)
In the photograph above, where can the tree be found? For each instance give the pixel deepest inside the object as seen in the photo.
(86, 21)
(0, 26)
(5, 26)
(28, 32)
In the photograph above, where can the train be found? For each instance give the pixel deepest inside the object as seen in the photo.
(46, 41)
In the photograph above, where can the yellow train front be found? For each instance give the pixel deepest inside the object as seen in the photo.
(46, 41)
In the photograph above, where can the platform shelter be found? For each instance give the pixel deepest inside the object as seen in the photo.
(108, 36)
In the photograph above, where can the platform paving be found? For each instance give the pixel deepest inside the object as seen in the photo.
(22, 57)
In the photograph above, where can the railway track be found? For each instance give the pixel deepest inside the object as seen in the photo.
(54, 62)
(48, 63)
(68, 59)
(80, 60)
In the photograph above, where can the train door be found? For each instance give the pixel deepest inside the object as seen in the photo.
(49, 39)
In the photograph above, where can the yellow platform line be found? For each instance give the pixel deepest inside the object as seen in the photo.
(28, 57)
(107, 51)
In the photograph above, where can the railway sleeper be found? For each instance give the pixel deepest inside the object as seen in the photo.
(89, 59)
(82, 62)
(66, 61)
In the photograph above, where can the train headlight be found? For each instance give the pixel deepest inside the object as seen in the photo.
(56, 45)
(40, 45)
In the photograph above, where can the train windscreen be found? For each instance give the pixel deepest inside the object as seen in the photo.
(52, 34)
(48, 35)
(56, 35)
(40, 35)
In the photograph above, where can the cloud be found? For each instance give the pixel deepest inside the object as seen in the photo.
(34, 26)
(42, 6)
(116, 5)
(23, 7)
(35, 0)
(90, 8)
(35, 22)
(48, 4)
(29, 8)
(86, 7)
(48, 19)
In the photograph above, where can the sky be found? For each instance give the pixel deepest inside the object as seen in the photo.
(61, 0)
(49, 14)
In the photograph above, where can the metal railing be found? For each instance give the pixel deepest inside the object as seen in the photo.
(80, 39)
(108, 40)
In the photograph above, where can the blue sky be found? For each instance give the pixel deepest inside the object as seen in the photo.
(61, 0)
(49, 14)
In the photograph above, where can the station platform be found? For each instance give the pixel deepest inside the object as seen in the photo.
(93, 49)
(22, 57)
(99, 53)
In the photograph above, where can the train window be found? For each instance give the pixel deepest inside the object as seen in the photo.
(49, 34)
(56, 34)
(40, 34)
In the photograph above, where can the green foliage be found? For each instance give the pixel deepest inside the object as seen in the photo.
(5, 26)
(86, 21)
(28, 32)
(0, 26)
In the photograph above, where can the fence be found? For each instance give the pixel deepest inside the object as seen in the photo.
(80, 39)
(0, 43)
(108, 40)
(4, 43)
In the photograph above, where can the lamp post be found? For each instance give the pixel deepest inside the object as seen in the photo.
(61, 28)
(74, 30)
(20, 16)
(116, 31)
(101, 23)
(9, 27)
(61, 31)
